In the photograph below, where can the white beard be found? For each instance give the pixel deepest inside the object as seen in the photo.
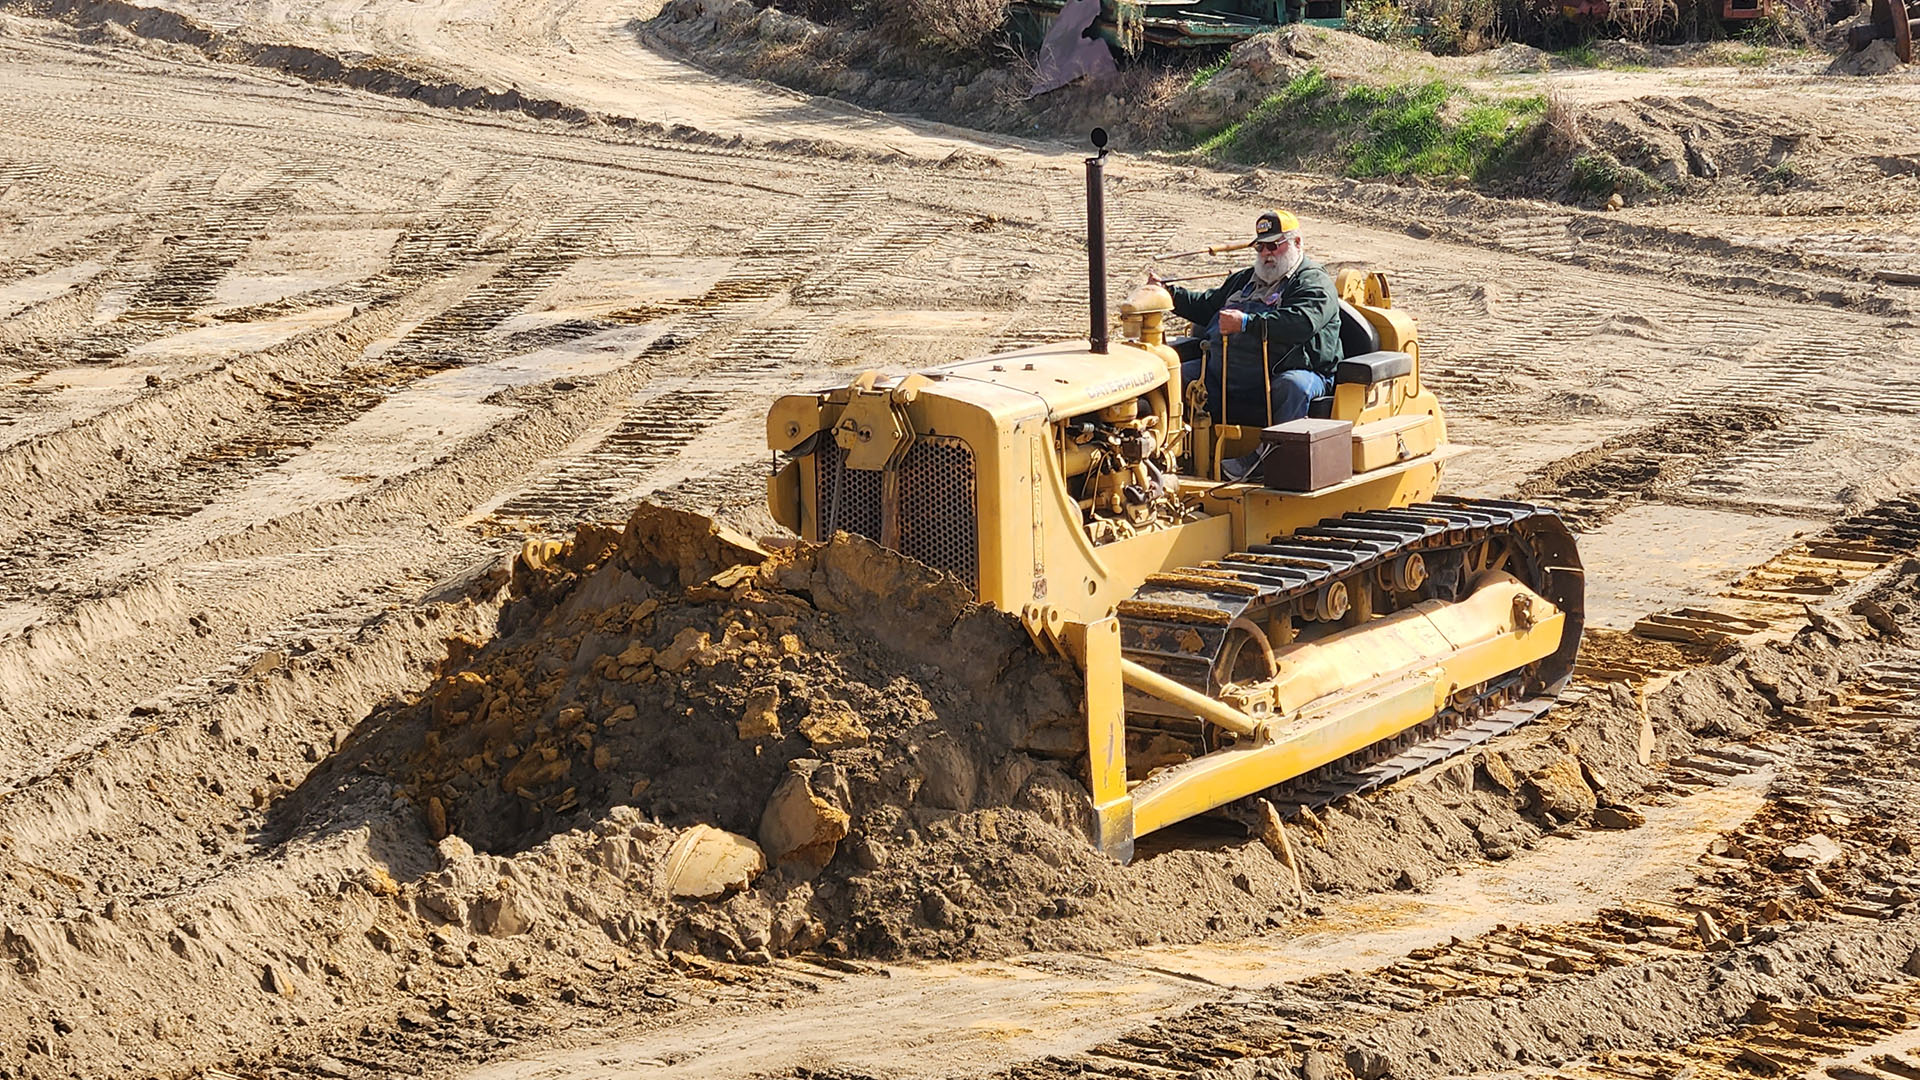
(1270, 268)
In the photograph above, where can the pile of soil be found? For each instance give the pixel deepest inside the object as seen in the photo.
(907, 763)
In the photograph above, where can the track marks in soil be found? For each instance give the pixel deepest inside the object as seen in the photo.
(446, 339)
(1589, 487)
(718, 345)
(654, 431)
(1769, 600)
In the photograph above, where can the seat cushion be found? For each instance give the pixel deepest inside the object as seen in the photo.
(1188, 348)
(1373, 367)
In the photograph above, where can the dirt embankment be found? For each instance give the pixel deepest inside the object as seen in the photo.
(898, 768)
(868, 69)
(1671, 142)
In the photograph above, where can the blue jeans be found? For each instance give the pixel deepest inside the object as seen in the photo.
(1292, 392)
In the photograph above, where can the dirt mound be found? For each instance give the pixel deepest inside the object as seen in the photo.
(618, 681)
(803, 698)
(904, 761)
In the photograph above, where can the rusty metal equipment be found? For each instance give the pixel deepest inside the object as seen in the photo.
(1744, 10)
(1891, 20)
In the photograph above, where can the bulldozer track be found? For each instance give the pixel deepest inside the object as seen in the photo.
(1375, 769)
(1749, 891)
(1179, 623)
(1825, 1038)
(870, 264)
(183, 279)
(1873, 1034)
(441, 240)
(443, 339)
(1818, 1040)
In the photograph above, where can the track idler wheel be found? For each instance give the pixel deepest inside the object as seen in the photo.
(1332, 603)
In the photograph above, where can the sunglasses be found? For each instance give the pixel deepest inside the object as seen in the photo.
(1269, 245)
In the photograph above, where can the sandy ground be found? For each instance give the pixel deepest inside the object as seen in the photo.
(281, 363)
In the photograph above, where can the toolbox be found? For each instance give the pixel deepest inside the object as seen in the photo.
(1307, 454)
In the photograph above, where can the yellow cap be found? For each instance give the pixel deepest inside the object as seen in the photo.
(1274, 225)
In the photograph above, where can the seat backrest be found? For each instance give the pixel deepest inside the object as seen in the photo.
(1357, 335)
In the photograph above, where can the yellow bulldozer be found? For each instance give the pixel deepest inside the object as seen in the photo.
(1332, 618)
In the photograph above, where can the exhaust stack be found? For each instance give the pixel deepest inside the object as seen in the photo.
(1097, 241)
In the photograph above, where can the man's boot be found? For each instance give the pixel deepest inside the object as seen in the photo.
(1237, 469)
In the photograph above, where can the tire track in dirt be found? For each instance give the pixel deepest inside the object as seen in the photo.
(194, 261)
(1590, 487)
(655, 430)
(446, 339)
(1829, 950)
(717, 345)
(1691, 253)
(69, 470)
(14, 173)
(870, 264)
(442, 239)
(1802, 375)
(320, 395)
(1138, 227)
(176, 624)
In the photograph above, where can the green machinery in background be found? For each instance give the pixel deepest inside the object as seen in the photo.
(1129, 25)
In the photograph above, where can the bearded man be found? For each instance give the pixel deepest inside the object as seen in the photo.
(1272, 330)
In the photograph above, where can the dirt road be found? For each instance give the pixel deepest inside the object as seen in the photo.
(285, 365)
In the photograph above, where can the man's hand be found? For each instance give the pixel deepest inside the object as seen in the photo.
(1154, 278)
(1232, 320)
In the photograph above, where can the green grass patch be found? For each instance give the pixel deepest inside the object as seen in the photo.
(1432, 129)
(1581, 55)
(1584, 55)
(1595, 177)
(1204, 75)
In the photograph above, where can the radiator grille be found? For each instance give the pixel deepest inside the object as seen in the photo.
(849, 498)
(934, 518)
(939, 523)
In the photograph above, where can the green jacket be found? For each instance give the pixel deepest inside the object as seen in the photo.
(1297, 320)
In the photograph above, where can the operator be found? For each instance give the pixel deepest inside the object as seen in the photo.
(1278, 324)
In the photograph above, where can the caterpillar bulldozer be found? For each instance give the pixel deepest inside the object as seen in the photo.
(1330, 612)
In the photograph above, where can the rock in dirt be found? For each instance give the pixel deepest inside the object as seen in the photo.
(706, 863)
(1500, 773)
(1560, 788)
(760, 719)
(1878, 58)
(1811, 884)
(274, 980)
(505, 914)
(1708, 929)
(802, 825)
(1816, 850)
(1618, 817)
(831, 726)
